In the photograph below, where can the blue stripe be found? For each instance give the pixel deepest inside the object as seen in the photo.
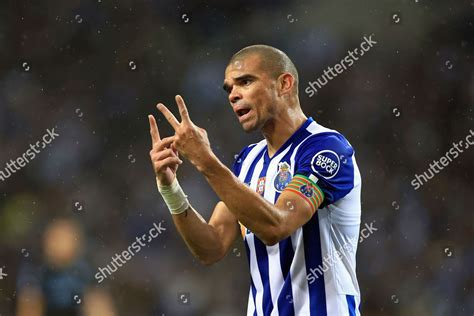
(351, 304)
(248, 176)
(262, 261)
(285, 300)
(254, 290)
(262, 258)
(313, 259)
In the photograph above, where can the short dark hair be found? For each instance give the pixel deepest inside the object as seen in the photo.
(273, 60)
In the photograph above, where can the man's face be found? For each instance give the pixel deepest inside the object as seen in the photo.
(252, 92)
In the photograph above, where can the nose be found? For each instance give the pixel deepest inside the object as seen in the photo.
(234, 95)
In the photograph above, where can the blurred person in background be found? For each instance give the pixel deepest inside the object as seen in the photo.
(58, 286)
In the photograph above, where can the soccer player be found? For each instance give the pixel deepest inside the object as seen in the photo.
(294, 196)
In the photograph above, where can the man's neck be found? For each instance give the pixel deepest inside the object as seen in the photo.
(279, 130)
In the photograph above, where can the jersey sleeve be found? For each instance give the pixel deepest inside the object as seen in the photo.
(326, 160)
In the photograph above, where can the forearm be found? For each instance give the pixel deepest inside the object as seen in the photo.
(254, 212)
(200, 237)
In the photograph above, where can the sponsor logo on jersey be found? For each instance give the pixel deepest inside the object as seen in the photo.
(283, 176)
(326, 163)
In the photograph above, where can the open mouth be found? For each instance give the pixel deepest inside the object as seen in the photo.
(242, 112)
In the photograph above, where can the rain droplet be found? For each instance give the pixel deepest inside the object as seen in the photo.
(77, 299)
(25, 66)
(185, 18)
(448, 64)
(78, 18)
(395, 205)
(289, 298)
(394, 299)
(448, 252)
(343, 159)
(79, 112)
(78, 206)
(290, 204)
(237, 64)
(291, 19)
(396, 112)
(184, 298)
(25, 253)
(131, 158)
(236, 252)
(132, 65)
(396, 17)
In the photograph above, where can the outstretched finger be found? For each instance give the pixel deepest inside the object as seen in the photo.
(183, 111)
(155, 134)
(168, 115)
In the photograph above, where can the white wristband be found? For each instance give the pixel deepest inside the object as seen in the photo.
(174, 196)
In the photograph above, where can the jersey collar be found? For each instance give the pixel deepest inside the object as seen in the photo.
(290, 140)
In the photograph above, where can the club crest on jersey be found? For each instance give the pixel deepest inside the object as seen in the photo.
(326, 163)
(261, 185)
(283, 176)
(307, 190)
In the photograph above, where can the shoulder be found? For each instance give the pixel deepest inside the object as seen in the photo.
(324, 152)
(325, 140)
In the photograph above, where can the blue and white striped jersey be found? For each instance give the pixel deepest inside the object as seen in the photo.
(312, 272)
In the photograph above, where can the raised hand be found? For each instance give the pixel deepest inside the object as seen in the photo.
(190, 140)
(164, 156)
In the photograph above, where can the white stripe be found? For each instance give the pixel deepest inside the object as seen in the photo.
(314, 128)
(256, 173)
(275, 274)
(255, 273)
(327, 251)
(250, 158)
(357, 178)
(299, 283)
(357, 303)
(251, 304)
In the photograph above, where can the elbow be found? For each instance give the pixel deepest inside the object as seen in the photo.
(210, 259)
(272, 237)
(207, 262)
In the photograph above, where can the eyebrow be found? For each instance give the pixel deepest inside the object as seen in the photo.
(226, 87)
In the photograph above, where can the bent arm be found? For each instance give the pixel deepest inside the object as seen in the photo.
(208, 242)
(271, 223)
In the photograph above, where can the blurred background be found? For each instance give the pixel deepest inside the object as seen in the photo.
(94, 69)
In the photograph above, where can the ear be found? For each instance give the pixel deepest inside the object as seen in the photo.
(286, 82)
